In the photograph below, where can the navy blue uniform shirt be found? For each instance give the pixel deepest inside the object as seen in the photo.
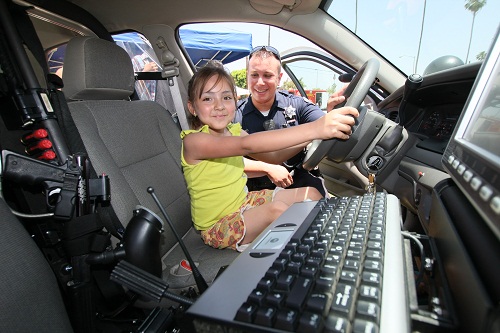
(287, 110)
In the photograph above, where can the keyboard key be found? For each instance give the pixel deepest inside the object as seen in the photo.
(292, 246)
(287, 320)
(300, 290)
(275, 299)
(310, 323)
(325, 283)
(337, 324)
(374, 254)
(299, 257)
(349, 277)
(333, 259)
(319, 303)
(265, 284)
(273, 273)
(357, 245)
(353, 265)
(246, 312)
(372, 278)
(285, 281)
(265, 316)
(368, 310)
(329, 269)
(280, 264)
(309, 271)
(343, 299)
(318, 253)
(304, 248)
(375, 245)
(287, 253)
(257, 297)
(364, 326)
(370, 293)
(376, 235)
(294, 267)
(373, 266)
(355, 254)
(313, 234)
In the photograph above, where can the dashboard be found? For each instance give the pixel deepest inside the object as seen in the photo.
(433, 110)
(438, 122)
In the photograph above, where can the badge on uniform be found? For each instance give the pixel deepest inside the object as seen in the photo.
(269, 125)
(290, 116)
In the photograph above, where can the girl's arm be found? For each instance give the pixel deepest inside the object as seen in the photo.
(279, 156)
(202, 146)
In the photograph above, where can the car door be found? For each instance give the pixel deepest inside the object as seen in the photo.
(315, 75)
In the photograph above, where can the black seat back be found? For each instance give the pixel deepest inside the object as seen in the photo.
(30, 298)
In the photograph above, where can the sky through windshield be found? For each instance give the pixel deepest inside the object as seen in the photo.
(393, 28)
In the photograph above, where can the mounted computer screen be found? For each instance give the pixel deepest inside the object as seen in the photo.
(472, 157)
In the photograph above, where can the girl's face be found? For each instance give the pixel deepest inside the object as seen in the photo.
(216, 106)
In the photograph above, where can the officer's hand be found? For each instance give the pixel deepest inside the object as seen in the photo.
(279, 175)
(335, 99)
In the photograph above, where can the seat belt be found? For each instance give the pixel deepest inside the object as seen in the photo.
(179, 106)
(170, 71)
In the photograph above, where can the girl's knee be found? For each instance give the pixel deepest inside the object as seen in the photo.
(313, 194)
(278, 207)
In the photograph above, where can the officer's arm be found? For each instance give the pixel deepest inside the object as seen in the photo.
(278, 174)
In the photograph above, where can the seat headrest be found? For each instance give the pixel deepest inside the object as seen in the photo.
(96, 69)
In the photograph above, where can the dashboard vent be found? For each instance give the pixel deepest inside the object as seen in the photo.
(393, 115)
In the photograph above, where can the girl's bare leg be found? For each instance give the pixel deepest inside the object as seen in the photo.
(293, 195)
(258, 218)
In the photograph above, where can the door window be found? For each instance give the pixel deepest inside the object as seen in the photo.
(308, 71)
(143, 59)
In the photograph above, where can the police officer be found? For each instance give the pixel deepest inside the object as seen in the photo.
(267, 108)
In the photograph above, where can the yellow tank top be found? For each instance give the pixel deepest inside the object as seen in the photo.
(217, 187)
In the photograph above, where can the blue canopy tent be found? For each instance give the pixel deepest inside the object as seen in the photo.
(203, 46)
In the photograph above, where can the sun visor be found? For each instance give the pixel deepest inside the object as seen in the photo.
(272, 7)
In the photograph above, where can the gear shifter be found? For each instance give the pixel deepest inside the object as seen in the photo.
(411, 85)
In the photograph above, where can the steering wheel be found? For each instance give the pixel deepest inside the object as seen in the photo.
(355, 94)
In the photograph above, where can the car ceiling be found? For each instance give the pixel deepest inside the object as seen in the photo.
(150, 16)
(135, 14)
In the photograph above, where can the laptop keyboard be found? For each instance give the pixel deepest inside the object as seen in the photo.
(328, 277)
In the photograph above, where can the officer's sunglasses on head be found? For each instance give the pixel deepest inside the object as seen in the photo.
(270, 49)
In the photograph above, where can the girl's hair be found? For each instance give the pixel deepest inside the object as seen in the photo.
(197, 84)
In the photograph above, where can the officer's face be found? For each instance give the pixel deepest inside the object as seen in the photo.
(263, 79)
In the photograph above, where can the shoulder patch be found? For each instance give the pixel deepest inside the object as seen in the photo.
(307, 100)
(284, 93)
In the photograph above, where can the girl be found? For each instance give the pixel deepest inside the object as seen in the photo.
(213, 164)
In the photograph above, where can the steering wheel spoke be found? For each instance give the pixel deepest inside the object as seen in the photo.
(355, 94)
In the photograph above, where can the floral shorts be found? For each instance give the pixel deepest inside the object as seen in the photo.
(230, 230)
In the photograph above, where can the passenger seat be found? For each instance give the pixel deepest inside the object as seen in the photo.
(137, 144)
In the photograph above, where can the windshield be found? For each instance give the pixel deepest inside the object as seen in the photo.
(420, 36)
